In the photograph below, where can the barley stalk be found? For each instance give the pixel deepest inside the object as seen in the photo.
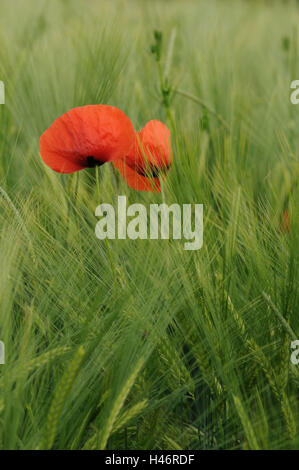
(60, 396)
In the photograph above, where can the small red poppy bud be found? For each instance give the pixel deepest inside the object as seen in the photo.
(85, 137)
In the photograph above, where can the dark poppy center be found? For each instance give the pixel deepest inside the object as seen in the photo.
(91, 162)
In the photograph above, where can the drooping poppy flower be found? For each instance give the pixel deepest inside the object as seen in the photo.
(135, 180)
(148, 158)
(85, 137)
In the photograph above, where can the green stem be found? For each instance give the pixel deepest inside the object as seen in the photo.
(98, 183)
(115, 179)
(111, 261)
(204, 105)
(77, 176)
(69, 187)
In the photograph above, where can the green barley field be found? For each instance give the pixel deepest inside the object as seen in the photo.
(140, 344)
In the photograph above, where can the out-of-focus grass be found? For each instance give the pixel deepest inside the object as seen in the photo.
(171, 349)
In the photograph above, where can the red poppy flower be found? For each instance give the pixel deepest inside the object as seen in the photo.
(148, 158)
(135, 180)
(85, 137)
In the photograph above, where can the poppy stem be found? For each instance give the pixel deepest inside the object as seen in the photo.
(77, 176)
(69, 187)
(111, 261)
(115, 178)
(204, 105)
(165, 92)
(97, 182)
(169, 53)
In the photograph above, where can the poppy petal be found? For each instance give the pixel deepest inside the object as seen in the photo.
(135, 180)
(86, 136)
(151, 150)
